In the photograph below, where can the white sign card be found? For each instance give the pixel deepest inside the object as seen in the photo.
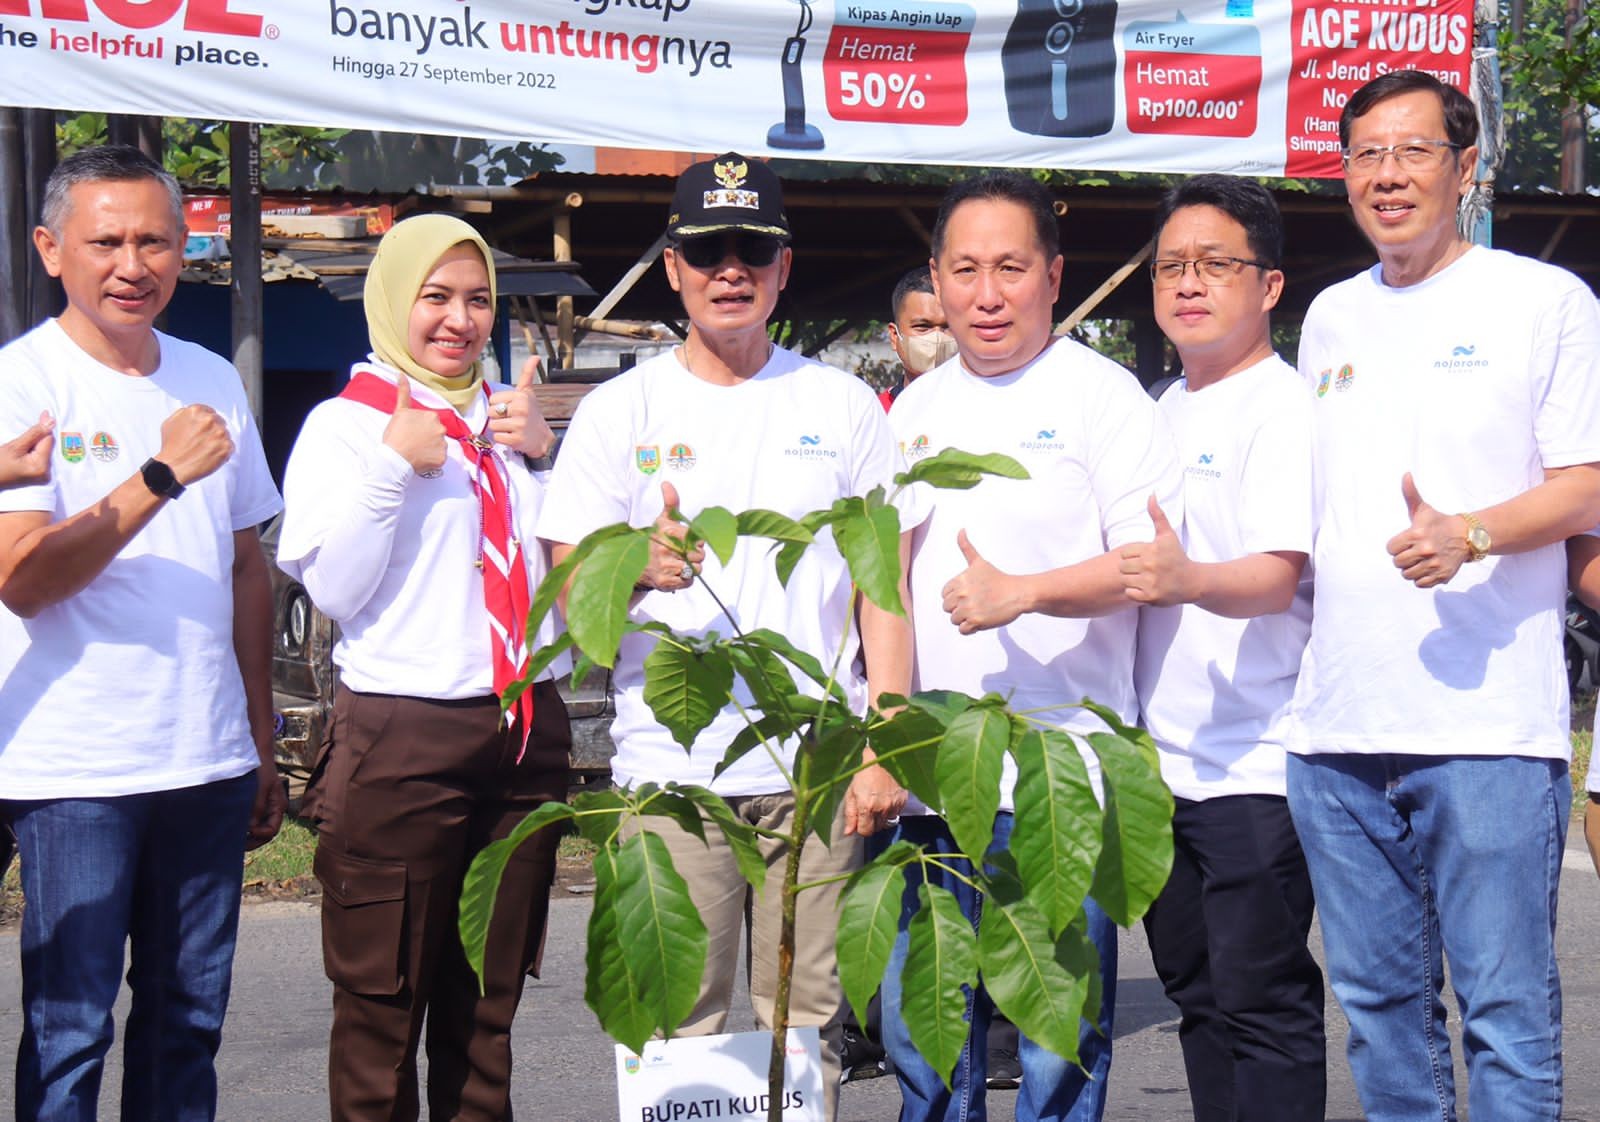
(722, 1077)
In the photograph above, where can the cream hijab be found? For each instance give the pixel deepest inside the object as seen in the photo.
(405, 257)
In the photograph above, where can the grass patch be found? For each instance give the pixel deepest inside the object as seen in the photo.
(1582, 744)
(574, 847)
(286, 857)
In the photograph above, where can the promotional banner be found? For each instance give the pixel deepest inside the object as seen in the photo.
(1136, 85)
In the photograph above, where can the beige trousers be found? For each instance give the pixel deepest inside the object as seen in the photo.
(729, 906)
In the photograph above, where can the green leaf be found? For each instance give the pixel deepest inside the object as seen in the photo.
(670, 803)
(647, 943)
(597, 606)
(771, 524)
(482, 883)
(741, 837)
(1137, 854)
(912, 736)
(835, 752)
(788, 557)
(775, 727)
(941, 958)
(869, 917)
(599, 813)
(953, 469)
(968, 769)
(717, 528)
(768, 679)
(686, 689)
(582, 667)
(1056, 839)
(549, 590)
(1036, 981)
(541, 660)
(870, 542)
(808, 664)
(943, 704)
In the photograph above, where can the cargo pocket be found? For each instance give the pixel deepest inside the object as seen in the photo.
(363, 921)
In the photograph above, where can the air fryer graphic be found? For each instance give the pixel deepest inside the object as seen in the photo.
(1061, 67)
(793, 131)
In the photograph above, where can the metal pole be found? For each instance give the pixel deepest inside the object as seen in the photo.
(15, 245)
(38, 161)
(244, 243)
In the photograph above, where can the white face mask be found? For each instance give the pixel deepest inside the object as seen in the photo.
(924, 352)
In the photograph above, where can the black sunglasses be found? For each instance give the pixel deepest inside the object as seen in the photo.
(709, 251)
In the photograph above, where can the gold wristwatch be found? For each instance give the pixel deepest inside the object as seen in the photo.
(1477, 537)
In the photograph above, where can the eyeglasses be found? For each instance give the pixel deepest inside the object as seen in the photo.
(755, 250)
(1413, 155)
(1168, 272)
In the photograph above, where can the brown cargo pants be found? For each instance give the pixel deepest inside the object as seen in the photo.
(405, 792)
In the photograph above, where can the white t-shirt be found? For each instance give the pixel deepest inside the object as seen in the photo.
(131, 685)
(793, 438)
(1474, 380)
(391, 555)
(1215, 691)
(1096, 449)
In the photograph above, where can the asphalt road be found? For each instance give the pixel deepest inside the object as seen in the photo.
(271, 1065)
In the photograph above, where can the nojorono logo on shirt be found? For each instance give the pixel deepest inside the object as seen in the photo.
(1043, 441)
(811, 449)
(1202, 469)
(1461, 358)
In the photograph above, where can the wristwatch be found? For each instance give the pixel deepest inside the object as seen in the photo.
(159, 478)
(1477, 537)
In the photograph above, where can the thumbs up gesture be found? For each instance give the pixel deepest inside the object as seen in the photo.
(981, 596)
(1158, 571)
(670, 569)
(515, 418)
(1430, 550)
(417, 434)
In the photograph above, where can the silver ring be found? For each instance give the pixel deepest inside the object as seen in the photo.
(501, 409)
(687, 572)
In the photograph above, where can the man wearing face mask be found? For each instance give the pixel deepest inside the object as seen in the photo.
(919, 332)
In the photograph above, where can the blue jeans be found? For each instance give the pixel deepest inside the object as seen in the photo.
(163, 871)
(1053, 1089)
(1418, 858)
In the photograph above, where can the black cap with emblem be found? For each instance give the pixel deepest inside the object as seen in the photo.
(730, 192)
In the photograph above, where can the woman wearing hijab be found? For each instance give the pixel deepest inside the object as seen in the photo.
(408, 503)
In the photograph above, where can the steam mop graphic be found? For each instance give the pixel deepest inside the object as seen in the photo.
(1061, 66)
(793, 131)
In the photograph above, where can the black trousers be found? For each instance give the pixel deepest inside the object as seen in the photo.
(1228, 936)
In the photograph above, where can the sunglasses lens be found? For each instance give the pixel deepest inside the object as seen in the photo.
(754, 250)
(757, 251)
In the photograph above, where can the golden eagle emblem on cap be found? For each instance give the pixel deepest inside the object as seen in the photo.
(730, 175)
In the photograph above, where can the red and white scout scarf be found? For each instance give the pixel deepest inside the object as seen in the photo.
(505, 576)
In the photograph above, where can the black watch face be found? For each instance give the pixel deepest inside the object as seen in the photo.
(159, 478)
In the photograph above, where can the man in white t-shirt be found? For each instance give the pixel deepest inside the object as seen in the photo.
(135, 659)
(1224, 621)
(728, 419)
(1430, 724)
(1015, 585)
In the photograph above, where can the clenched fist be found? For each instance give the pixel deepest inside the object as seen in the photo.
(194, 443)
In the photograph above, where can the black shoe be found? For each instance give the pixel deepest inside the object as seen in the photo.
(859, 1057)
(1005, 1070)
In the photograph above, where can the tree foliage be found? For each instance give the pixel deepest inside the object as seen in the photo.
(1542, 73)
(295, 157)
(646, 945)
